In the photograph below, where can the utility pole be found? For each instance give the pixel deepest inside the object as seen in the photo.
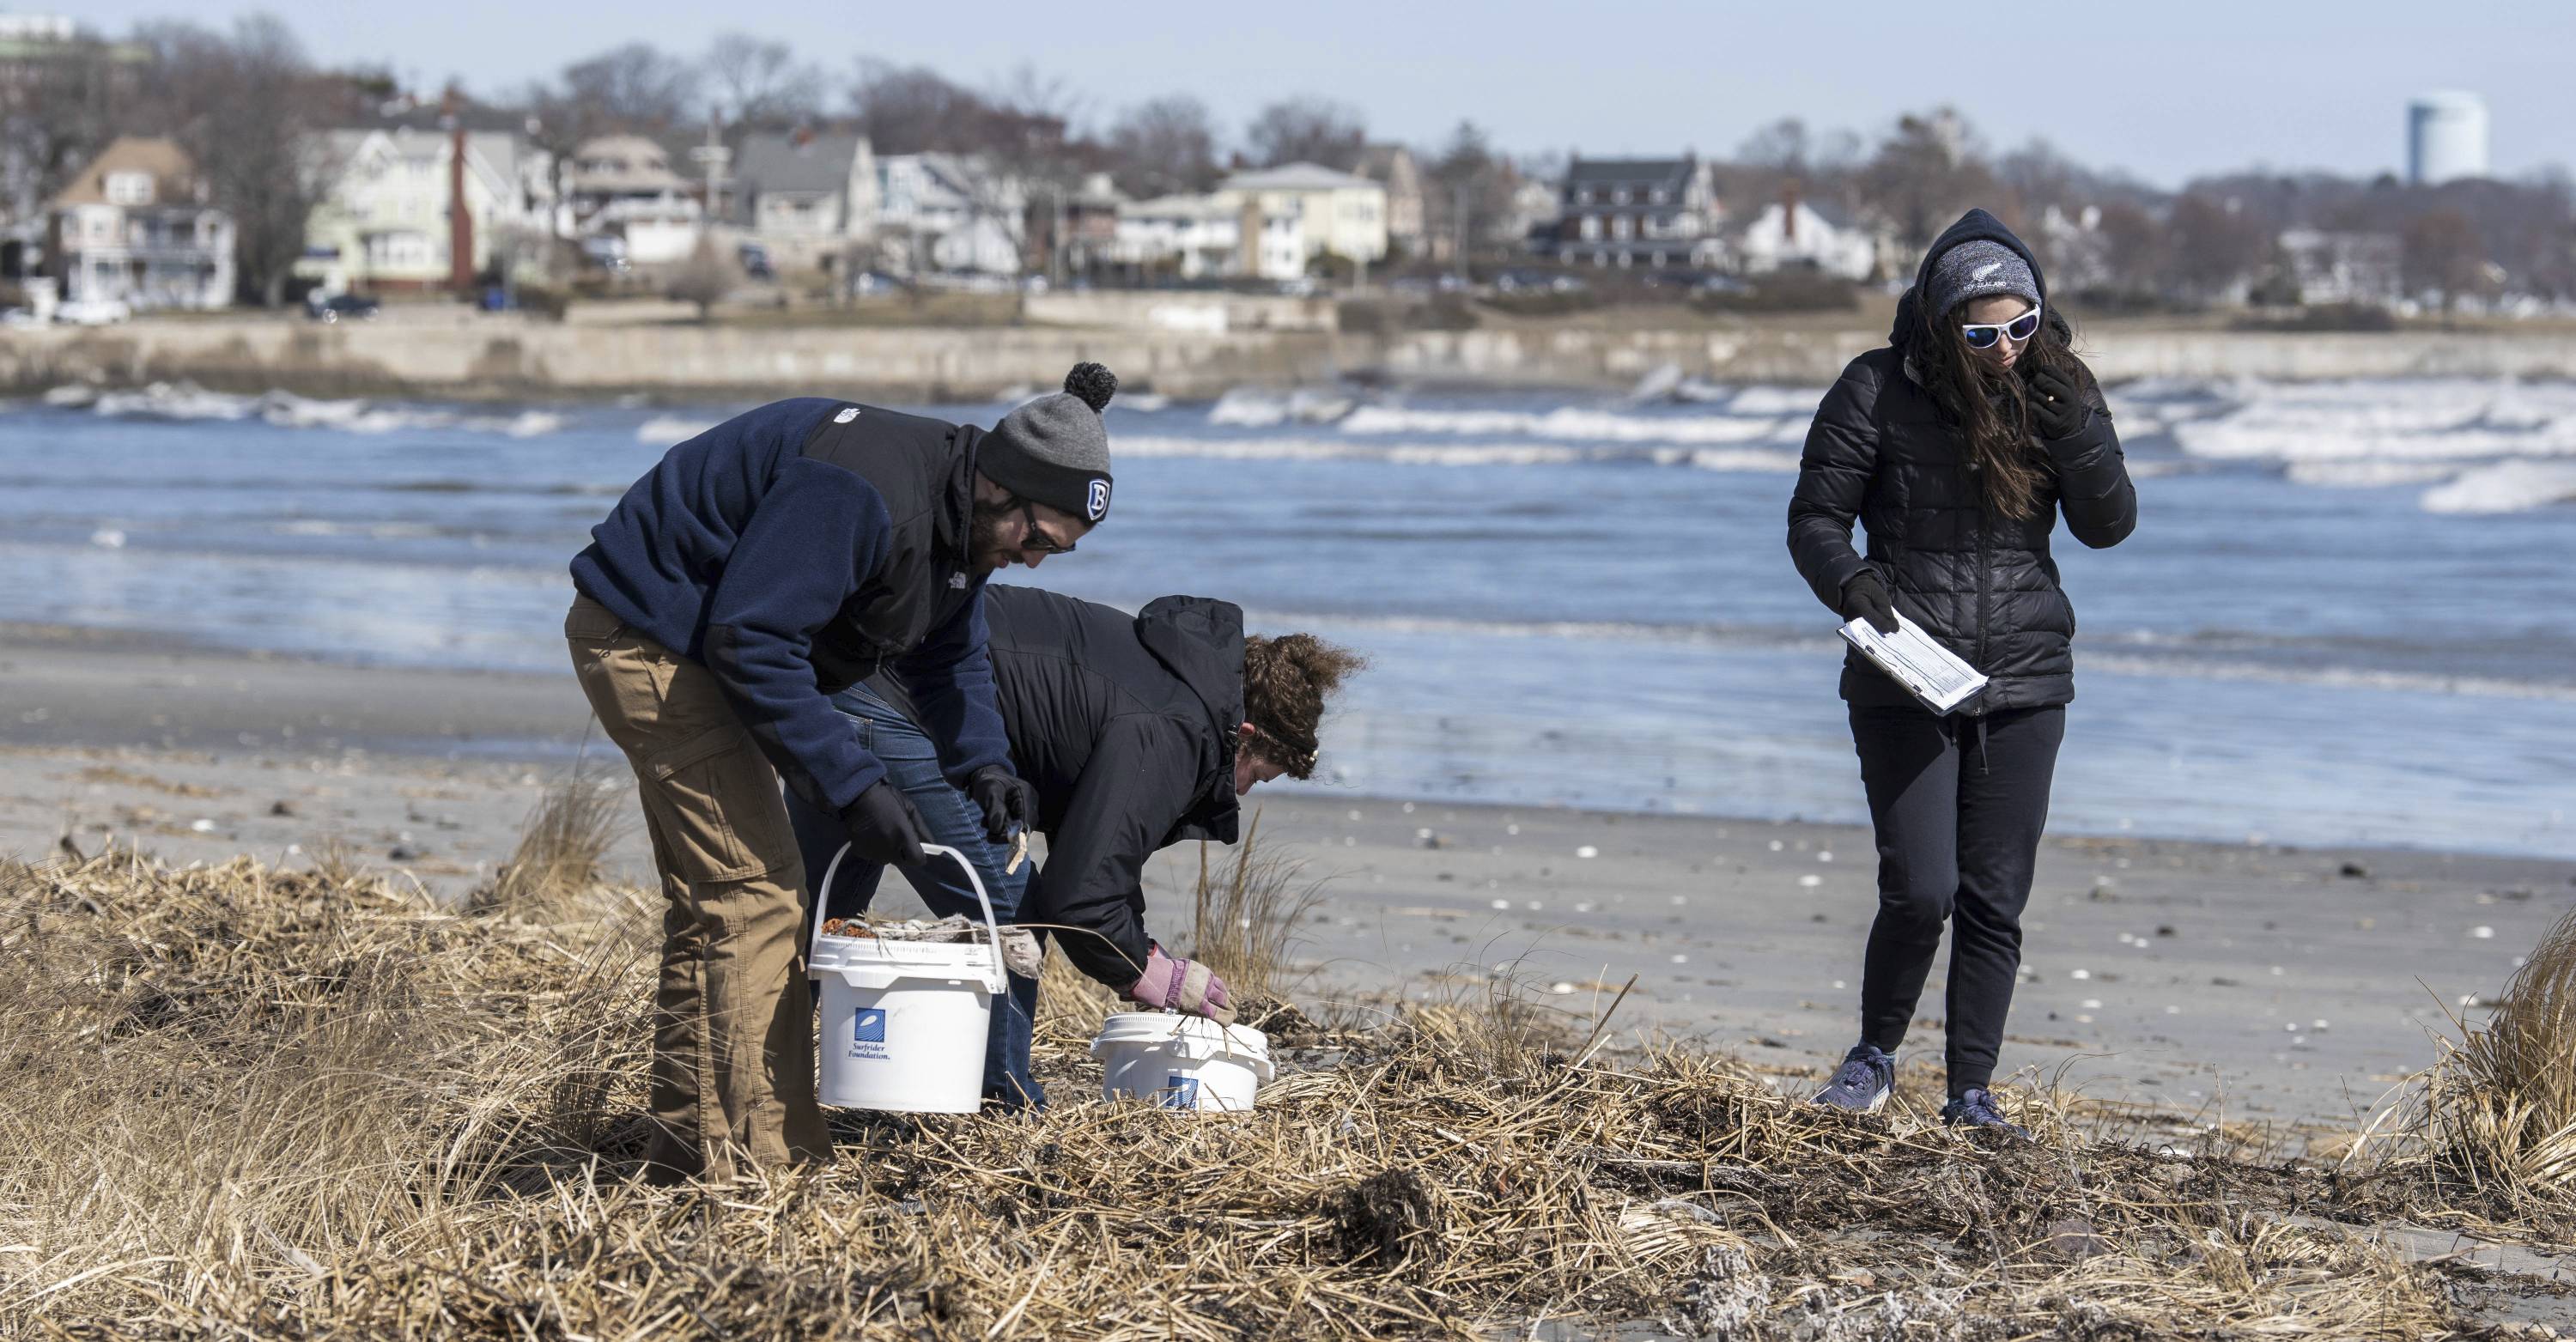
(714, 155)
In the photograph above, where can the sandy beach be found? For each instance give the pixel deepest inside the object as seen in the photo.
(2248, 983)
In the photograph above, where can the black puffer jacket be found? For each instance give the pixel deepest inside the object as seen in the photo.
(1125, 724)
(1881, 450)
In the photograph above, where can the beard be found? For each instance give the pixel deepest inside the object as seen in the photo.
(984, 549)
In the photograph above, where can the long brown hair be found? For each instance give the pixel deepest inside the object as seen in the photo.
(1991, 405)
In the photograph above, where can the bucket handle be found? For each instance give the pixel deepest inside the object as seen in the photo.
(994, 984)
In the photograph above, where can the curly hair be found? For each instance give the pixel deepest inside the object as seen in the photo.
(1285, 683)
(1991, 405)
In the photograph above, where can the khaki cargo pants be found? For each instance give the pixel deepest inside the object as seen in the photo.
(733, 1022)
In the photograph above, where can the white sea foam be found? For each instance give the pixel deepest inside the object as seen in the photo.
(1262, 409)
(2366, 474)
(1501, 452)
(186, 401)
(670, 429)
(1570, 424)
(71, 396)
(2420, 420)
(2505, 487)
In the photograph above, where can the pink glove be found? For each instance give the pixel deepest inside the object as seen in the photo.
(1182, 985)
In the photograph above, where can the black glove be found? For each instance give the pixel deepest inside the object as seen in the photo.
(1007, 800)
(1866, 598)
(884, 826)
(2057, 404)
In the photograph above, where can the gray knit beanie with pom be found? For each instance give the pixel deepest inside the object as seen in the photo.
(1054, 450)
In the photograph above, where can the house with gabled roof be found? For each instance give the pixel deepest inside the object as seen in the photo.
(806, 194)
(385, 221)
(135, 227)
(1651, 213)
(1337, 212)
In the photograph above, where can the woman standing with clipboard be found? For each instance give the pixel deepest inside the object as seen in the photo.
(1956, 447)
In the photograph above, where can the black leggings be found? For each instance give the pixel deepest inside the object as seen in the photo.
(1958, 804)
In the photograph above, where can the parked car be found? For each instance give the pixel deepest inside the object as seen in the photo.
(607, 253)
(345, 307)
(755, 261)
(92, 312)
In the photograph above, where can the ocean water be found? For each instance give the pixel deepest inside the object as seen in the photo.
(2348, 614)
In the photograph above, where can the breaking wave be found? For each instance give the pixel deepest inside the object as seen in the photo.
(186, 401)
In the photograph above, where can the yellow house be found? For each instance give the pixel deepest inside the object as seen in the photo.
(1336, 211)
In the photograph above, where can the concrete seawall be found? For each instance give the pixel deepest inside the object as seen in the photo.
(507, 358)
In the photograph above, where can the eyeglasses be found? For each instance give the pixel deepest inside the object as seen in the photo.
(1037, 540)
(1982, 335)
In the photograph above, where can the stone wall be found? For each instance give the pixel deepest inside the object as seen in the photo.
(509, 358)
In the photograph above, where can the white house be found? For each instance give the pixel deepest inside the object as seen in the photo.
(2345, 266)
(1201, 237)
(1803, 235)
(951, 214)
(385, 221)
(1337, 212)
(806, 195)
(134, 227)
(622, 186)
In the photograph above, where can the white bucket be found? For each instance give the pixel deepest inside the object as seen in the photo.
(1181, 1062)
(905, 1022)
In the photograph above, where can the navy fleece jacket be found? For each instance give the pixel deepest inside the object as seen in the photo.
(738, 529)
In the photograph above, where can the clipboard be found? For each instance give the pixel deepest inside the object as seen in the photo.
(1917, 661)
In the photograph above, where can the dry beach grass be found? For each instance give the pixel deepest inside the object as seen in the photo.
(247, 1101)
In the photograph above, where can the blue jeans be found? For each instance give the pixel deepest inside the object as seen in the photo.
(912, 764)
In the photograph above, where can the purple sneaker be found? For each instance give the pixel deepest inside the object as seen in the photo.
(1862, 1084)
(1977, 1109)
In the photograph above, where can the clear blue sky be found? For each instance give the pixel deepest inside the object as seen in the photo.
(2165, 88)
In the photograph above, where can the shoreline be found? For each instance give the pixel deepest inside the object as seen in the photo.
(2183, 974)
(529, 718)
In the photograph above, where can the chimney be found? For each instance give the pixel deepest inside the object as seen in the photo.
(460, 219)
(1789, 210)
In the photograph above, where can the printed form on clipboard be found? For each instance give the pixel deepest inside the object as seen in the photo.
(1933, 673)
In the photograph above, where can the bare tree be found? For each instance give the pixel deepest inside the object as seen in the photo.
(558, 123)
(1165, 145)
(907, 109)
(1925, 173)
(2216, 245)
(2440, 251)
(56, 114)
(1783, 146)
(634, 87)
(1307, 130)
(762, 82)
(1469, 194)
(705, 278)
(248, 108)
(2133, 247)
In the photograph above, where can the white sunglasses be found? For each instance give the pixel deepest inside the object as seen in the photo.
(1982, 335)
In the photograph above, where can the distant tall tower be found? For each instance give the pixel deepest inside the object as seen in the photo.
(2446, 138)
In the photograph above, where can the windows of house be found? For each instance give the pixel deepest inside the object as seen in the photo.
(129, 188)
(1621, 227)
(1591, 228)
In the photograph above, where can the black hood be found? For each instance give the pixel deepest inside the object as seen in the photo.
(1200, 640)
(1974, 226)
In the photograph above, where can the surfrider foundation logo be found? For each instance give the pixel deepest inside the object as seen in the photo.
(868, 1033)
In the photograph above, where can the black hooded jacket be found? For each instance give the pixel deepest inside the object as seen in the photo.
(1126, 725)
(1882, 450)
